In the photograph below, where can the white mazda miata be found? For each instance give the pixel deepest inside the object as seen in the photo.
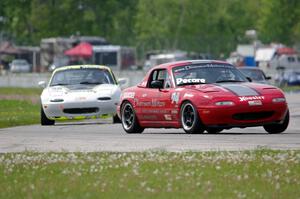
(79, 92)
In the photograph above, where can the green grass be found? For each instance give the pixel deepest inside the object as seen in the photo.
(20, 91)
(249, 174)
(18, 112)
(290, 88)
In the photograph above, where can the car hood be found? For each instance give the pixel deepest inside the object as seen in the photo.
(237, 89)
(56, 91)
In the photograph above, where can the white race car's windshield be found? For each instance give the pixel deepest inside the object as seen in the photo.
(82, 76)
(207, 74)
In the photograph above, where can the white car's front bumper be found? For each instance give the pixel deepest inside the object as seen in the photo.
(72, 109)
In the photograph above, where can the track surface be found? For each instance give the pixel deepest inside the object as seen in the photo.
(103, 136)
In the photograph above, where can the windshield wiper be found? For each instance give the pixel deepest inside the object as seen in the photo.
(228, 80)
(87, 82)
(59, 84)
(190, 83)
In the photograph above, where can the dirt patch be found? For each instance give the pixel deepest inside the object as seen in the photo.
(35, 99)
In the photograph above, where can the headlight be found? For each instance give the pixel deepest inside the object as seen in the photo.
(225, 103)
(279, 99)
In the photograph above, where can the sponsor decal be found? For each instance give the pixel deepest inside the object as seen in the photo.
(154, 111)
(168, 117)
(149, 117)
(207, 65)
(186, 81)
(81, 98)
(175, 97)
(174, 111)
(248, 98)
(129, 95)
(153, 103)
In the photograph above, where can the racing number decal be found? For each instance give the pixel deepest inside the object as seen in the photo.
(175, 98)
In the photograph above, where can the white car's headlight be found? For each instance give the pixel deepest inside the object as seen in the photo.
(278, 99)
(225, 103)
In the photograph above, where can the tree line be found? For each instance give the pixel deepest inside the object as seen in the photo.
(208, 26)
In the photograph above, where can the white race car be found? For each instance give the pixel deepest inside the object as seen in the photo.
(79, 92)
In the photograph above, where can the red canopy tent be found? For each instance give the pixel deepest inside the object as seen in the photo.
(83, 49)
(286, 50)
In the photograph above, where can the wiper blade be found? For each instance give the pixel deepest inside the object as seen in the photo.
(59, 84)
(190, 83)
(228, 80)
(90, 82)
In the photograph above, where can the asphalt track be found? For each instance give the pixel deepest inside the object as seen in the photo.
(102, 136)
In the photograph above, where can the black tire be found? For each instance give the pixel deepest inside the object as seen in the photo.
(213, 130)
(116, 119)
(190, 119)
(44, 120)
(278, 128)
(129, 120)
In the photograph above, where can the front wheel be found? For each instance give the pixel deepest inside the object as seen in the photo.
(129, 120)
(278, 128)
(190, 119)
(44, 120)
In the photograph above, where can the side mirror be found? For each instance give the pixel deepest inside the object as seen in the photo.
(122, 81)
(249, 79)
(157, 84)
(268, 77)
(42, 84)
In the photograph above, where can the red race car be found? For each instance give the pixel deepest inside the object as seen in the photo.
(201, 95)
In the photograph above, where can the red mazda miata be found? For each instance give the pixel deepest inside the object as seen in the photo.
(201, 95)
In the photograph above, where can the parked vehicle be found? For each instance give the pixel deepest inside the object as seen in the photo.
(272, 59)
(201, 95)
(288, 78)
(20, 66)
(79, 92)
(116, 57)
(256, 74)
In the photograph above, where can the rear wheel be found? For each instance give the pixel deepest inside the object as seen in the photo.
(129, 119)
(44, 120)
(190, 119)
(278, 128)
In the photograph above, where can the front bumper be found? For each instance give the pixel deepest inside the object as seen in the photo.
(80, 110)
(243, 116)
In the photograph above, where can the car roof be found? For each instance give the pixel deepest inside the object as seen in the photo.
(185, 62)
(81, 67)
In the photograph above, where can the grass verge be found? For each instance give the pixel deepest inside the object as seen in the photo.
(18, 112)
(290, 88)
(20, 91)
(249, 174)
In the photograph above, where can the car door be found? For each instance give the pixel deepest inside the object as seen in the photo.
(154, 103)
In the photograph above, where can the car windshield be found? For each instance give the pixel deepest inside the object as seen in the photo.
(82, 76)
(19, 62)
(256, 75)
(207, 74)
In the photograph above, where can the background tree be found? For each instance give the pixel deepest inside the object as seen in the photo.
(279, 21)
(205, 26)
